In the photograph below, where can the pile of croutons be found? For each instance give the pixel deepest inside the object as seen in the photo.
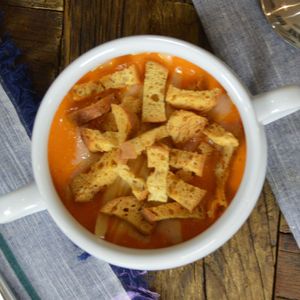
(155, 125)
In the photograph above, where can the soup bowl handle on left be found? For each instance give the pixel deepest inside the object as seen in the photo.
(20, 203)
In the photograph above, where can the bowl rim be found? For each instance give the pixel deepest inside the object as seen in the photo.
(213, 237)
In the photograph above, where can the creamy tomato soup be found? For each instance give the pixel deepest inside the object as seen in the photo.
(69, 155)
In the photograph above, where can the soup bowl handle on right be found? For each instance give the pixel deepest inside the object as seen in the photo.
(276, 104)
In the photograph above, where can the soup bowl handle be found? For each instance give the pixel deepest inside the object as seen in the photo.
(277, 104)
(20, 203)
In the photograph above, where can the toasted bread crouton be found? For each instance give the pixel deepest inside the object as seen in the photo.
(97, 141)
(185, 194)
(188, 161)
(93, 111)
(102, 173)
(121, 79)
(157, 186)
(154, 93)
(228, 143)
(130, 210)
(107, 123)
(123, 121)
(134, 147)
(205, 148)
(83, 90)
(158, 158)
(138, 185)
(220, 136)
(172, 210)
(184, 125)
(196, 100)
(132, 104)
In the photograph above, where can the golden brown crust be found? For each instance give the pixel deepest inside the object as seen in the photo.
(84, 186)
(134, 147)
(121, 79)
(81, 91)
(220, 136)
(154, 93)
(188, 161)
(137, 185)
(172, 210)
(184, 125)
(185, 194)
(158, 158)
(227, 143)
(202, 101)
(97, 141)
(123, 121)
(128, 209)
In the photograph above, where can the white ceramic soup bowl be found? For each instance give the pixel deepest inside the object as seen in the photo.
(42, 194)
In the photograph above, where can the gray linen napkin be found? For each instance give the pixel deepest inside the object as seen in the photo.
(240, 35)
(37, 260)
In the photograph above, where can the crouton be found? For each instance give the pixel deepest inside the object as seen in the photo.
(157, 186)
(128, 209)
(97, 141)
(205, 148)
(132, 104)
(188, 161)
(196, 100)
(102, 173)
(172, 210)
(137, 185)
(220, 136)
(158, 158)
(154, 93)
(227, 143)
(124, 124)
(184, 125)
(134, 147)
(222, 173)
(83, 90)
(185, 194)
(108, 122)
(93, 111)
(121, 79)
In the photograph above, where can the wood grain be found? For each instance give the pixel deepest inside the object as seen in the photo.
(287, 285)
(284, 227)
(116, 18)
(38, 34)
(181, 283)
(101, 22)
(244, 267)
(157, 17)
(39, 4)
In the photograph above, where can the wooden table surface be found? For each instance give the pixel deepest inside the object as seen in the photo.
(262, 260)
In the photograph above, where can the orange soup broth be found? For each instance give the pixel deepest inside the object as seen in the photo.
(66, 159)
